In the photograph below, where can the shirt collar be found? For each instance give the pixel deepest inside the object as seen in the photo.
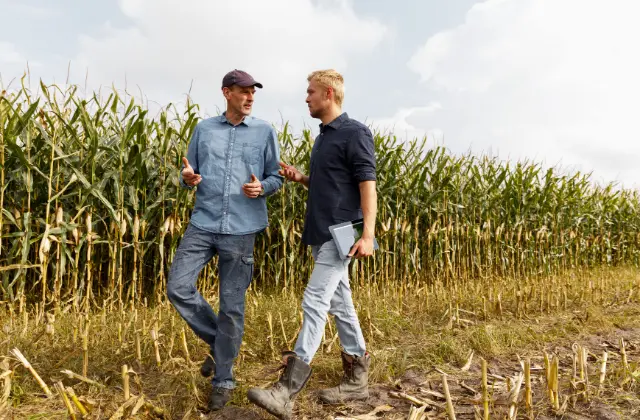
(246, 120)
(337, 122)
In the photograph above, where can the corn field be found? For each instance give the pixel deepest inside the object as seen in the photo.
(92, 211)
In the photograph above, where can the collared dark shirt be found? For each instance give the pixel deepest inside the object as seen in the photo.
(341, 158)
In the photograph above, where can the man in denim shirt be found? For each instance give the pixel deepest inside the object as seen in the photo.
(342, 187)
(233, 159)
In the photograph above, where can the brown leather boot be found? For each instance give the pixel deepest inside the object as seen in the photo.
(278, 399)
(354, 383)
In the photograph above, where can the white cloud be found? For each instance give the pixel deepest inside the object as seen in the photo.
(400, 125)
(279, 42)
(554, 80)
(31, 11)
(9, 54)
(13, 65)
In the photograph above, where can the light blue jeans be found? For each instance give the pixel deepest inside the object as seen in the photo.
(328, 292)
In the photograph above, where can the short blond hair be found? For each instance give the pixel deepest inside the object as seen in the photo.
(330, 79)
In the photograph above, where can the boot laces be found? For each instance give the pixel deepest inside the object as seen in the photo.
(219, 390)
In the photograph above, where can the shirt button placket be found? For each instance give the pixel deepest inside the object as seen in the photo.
(225, 215)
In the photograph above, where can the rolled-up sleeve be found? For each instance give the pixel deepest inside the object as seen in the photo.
(361, 155)
(192, 157)
(272, 180)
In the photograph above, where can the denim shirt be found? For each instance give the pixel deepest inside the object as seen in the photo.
(225, 156)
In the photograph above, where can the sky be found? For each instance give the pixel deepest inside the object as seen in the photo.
(554, 81)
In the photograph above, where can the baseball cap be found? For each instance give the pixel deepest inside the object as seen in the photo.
(240, 78)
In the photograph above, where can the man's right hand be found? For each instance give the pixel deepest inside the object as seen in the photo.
(188, 175)
(291, 173)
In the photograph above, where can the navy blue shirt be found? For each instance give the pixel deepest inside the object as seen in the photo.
(341, 158)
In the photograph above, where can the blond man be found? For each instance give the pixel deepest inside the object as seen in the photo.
(342, 187)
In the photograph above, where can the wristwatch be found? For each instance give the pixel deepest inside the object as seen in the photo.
(261, 190)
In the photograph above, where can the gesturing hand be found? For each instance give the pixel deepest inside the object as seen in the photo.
(188, 175)
(290, 172)
(252, 189)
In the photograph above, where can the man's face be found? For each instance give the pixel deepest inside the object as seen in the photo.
(317, 99)
(240, 99)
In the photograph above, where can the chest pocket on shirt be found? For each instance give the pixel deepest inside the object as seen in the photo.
(250, 153)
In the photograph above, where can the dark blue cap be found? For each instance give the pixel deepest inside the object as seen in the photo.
(240, 78)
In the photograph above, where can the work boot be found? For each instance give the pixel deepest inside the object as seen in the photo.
(219, 398)
(208, 366)
(354, 383)
(278, 399)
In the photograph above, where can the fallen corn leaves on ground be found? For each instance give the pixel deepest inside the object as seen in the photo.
(415, 336)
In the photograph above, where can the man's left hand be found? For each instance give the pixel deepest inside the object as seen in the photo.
(252, 189)
(362, 248)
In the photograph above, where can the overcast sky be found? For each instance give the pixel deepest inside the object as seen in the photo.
(557, 81)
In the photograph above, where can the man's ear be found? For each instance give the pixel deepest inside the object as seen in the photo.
(226, 92)
(329, 93)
